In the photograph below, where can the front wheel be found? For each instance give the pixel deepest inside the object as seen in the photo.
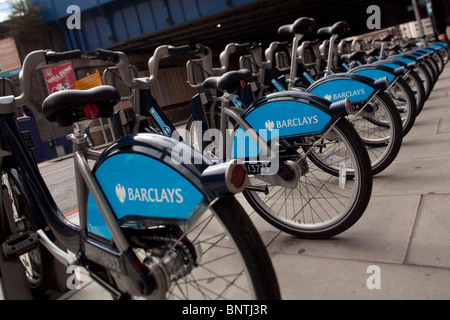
(328, 189)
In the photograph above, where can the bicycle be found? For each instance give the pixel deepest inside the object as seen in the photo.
(332, 196)
(151, 225)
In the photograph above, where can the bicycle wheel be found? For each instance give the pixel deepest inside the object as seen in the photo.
(220, 257)
(37, 263)
(429, 67)
(316, 201)
(439, 62)
(425, 76)
(434, 67)
(403, 98)
(416, 85)
(444, 55)
(380, 127)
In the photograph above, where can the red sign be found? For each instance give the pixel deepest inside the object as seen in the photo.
(60, 77)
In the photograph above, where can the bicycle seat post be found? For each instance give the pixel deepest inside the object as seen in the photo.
(79, 136)
(331, 50)
(293, 72)
(224, 104)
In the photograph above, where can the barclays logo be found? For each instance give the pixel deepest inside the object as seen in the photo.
(269, 125)
(295, 122)
(149, 194)
(344, 95)
(120, 192)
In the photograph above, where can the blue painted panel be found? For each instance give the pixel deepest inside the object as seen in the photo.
(176, 10)
(160, 14)
(118, 25)
(146, 16)
(210, 7)
(103, 27)
(190, 9)
(53, 10)
(131, 20)
(91, 34)
(127, 19)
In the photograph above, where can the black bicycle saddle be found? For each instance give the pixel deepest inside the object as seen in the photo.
(70, 106)
(302, 25)
(230, 81)
(340, 28)
(354, 56)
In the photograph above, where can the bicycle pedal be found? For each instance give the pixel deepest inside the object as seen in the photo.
(19, 244)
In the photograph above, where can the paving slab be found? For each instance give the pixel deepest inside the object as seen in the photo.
(310, 278)
(381, 235)
(430, 242)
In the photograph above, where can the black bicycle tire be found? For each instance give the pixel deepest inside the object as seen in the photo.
(412, 106)
(425, 76)
(395, 139)
(428, 65)
(253, 251)
(418, 85)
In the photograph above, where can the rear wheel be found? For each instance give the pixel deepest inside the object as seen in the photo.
(221, 256)
(416, 85)
(425, 76)
(380, 127)
(403, 98)
(327, 191)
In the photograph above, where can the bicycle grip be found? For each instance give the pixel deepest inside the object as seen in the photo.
(52, 56)
(180, 49)
(243, 46)
(201, 49)
(107, 55)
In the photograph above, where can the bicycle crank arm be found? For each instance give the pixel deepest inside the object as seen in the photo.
(57, 252)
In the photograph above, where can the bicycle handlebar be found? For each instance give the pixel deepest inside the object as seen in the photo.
(201, 49)
(181, 49)
(121, 61)
(107, 55)
(32, 61)
(53, 57)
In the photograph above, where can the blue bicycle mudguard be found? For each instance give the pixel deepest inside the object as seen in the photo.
(149, 179)
(281, 114)
(439, 46)
(339, 86)
(395, 64)
(377, 72)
